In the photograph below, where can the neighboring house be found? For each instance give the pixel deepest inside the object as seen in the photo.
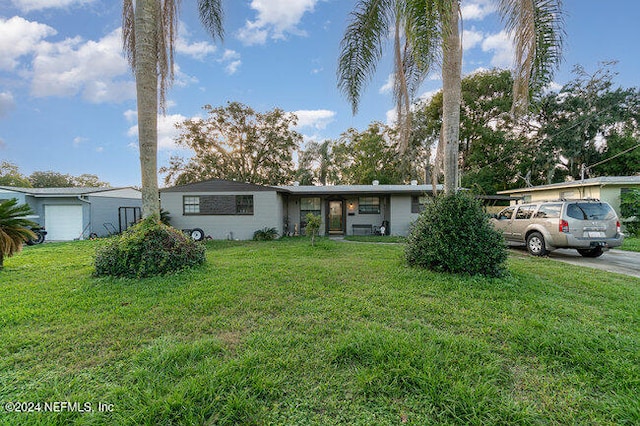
(77, 213)
(234, 210)
(606, 189)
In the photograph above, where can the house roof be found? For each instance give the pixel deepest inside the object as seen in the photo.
(359, 189)
(219, 185)
(599, 181)
(59, 192)
(222, 185)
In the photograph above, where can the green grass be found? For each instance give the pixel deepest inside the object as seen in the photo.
(376, 238)
(283, 333)
(631, 244)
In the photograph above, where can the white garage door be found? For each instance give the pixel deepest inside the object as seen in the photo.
(63, 223)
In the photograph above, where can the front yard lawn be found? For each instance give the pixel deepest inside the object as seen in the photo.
(631, 244)
(285, 333)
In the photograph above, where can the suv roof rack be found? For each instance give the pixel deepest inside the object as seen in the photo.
(558, 200)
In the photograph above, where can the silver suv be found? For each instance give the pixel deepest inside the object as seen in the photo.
(590, 226)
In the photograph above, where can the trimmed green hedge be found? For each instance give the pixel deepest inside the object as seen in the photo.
(147, 249)
(453, 234)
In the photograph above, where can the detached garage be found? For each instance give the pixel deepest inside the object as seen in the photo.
(77, 213)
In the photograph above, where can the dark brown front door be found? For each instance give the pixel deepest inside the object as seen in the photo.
(336, 217)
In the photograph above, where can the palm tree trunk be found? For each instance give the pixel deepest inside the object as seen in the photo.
(147, 16)
(451, 96)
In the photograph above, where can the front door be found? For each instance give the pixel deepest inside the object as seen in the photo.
(336, 217)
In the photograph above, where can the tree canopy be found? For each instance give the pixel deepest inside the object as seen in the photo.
(10, 175)
(236, 142)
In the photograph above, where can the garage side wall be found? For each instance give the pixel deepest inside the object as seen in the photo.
(104, 211)
(267, 213)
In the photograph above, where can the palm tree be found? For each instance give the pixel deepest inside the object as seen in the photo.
(362, 47)
(13, 231)
(149, 28)
(429, 24)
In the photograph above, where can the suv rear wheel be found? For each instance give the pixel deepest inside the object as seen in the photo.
(594, 252)
(535, 244)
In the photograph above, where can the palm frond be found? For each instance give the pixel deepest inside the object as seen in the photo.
(211, 16)
(167, 30)
(13, 227)
(423, 26)
(537, 26)
(128, 32)
(361, 46)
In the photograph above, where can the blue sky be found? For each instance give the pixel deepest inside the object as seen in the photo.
(67, 97)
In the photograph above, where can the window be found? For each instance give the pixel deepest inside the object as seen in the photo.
(191, 205)
(369, 205)
(525, 212)
(418, 203)
(590, 211)
(506, 213)
(218, 205)
(549, 211)
(309, 205)
(244, 204)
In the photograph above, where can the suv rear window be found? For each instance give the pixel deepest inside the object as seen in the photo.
(590, 211)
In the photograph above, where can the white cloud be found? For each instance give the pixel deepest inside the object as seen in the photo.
(230, 55)
(95, 69)
(198, 50)
(79, 140)
(470, 39)
(19, 37)
(31, 5)
(502, 47)
(276, 18)
(318, 118)
(426, 96)
(167, 131)
(6, 103)
(392, 116)
(232, 67)
(477, 10)
(232, 60)
(388, 86)
(131, 115)
(553, 87)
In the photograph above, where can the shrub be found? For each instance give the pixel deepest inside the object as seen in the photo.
(630, 211)
(453, 234)
(265, 234)
(147, 249)
(313, 226)
(14, 228)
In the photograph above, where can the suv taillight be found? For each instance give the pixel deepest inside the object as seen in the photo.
(618, 226)
(563, 226)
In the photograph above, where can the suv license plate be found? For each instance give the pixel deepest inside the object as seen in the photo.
(594, 234)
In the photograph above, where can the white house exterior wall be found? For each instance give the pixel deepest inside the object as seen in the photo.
(7, 195)
(267, 213)
(401, 216)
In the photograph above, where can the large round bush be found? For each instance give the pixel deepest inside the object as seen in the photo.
(453, 234)
(147, 249)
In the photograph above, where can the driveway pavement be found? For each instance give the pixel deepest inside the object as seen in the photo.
(620, 261)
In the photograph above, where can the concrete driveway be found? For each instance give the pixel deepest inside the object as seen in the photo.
(620, 261)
